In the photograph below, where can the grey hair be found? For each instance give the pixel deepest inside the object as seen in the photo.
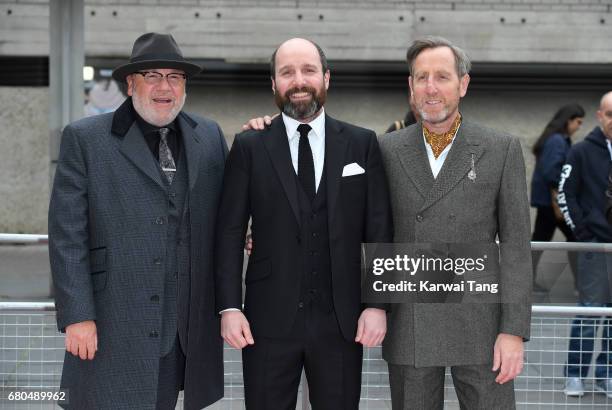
(462, 61)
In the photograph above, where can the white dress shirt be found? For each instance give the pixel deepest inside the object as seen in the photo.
(436, 163)
(316, 139)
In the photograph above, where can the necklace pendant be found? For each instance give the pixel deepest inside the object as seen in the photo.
(472, 175)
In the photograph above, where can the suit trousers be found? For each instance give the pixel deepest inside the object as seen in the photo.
(422, 388)
(272, 367)
(171, 377)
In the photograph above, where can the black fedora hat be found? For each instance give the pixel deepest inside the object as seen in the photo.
(154, 50)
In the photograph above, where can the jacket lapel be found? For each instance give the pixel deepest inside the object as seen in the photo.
(135, 149)
(336, 144)
(457, 164)
(277, 145)
(192, 146)
(413, 158)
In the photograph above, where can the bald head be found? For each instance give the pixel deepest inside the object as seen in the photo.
(298, 45)
(604, 114)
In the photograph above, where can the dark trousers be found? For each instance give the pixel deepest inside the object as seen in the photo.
(272, 367)
(582, 345)
(171, 377)
(544, 229)
(422, 388)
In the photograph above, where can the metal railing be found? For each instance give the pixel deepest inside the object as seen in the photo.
(32, 351)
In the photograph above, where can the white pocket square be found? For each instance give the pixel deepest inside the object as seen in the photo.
(352, 169)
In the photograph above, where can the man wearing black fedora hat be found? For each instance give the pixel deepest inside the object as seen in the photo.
(131, 224)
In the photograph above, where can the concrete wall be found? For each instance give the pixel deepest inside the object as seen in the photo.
(566, 31)
(24, 159)
(526, 31)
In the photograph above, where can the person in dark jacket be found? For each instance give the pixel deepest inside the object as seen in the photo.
(582, 200)
(550, 151)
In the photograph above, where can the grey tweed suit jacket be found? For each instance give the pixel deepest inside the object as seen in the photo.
(106, 237)
(454, 209)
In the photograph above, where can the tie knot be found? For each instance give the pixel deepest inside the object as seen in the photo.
(163, 133)
(304, 129)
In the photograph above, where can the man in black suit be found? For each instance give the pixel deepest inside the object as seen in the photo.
(315, 188)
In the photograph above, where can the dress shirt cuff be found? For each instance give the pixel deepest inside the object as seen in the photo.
(230, 310)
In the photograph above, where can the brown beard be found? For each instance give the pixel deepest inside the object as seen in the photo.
(302, 110)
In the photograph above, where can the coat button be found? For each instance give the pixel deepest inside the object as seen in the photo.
(301, 305)
(159, 220)
(155, 298)
(315, 234)
(157, 261)
(154, 334)
(419, 218)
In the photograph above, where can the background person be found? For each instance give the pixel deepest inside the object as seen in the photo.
(582, 199)
(550, 151)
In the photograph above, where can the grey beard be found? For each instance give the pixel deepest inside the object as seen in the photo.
(301, 111)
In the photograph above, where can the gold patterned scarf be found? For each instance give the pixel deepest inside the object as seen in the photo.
(438, 142)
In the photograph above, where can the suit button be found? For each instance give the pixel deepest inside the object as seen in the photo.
(155, 298)
(154, 334)
(159, 220)
(157, 261)
(419, 218)
(300, 305)
(314, 234)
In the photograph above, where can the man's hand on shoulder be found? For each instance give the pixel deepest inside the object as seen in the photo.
(507, 357)
(235, 329)
(82, 339)
(371, 327)
(258, 123)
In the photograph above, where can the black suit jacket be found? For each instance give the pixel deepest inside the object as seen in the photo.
(260, 183)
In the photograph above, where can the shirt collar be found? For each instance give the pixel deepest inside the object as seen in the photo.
(317, 125)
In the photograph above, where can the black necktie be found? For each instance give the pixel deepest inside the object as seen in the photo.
(166, 161)
(306, 173)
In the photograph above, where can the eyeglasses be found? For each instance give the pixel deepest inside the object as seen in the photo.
(153, 78)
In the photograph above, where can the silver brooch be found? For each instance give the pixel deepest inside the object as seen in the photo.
(472, 173)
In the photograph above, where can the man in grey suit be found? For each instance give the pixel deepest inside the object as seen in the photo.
(131, 224)
(454, 181)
